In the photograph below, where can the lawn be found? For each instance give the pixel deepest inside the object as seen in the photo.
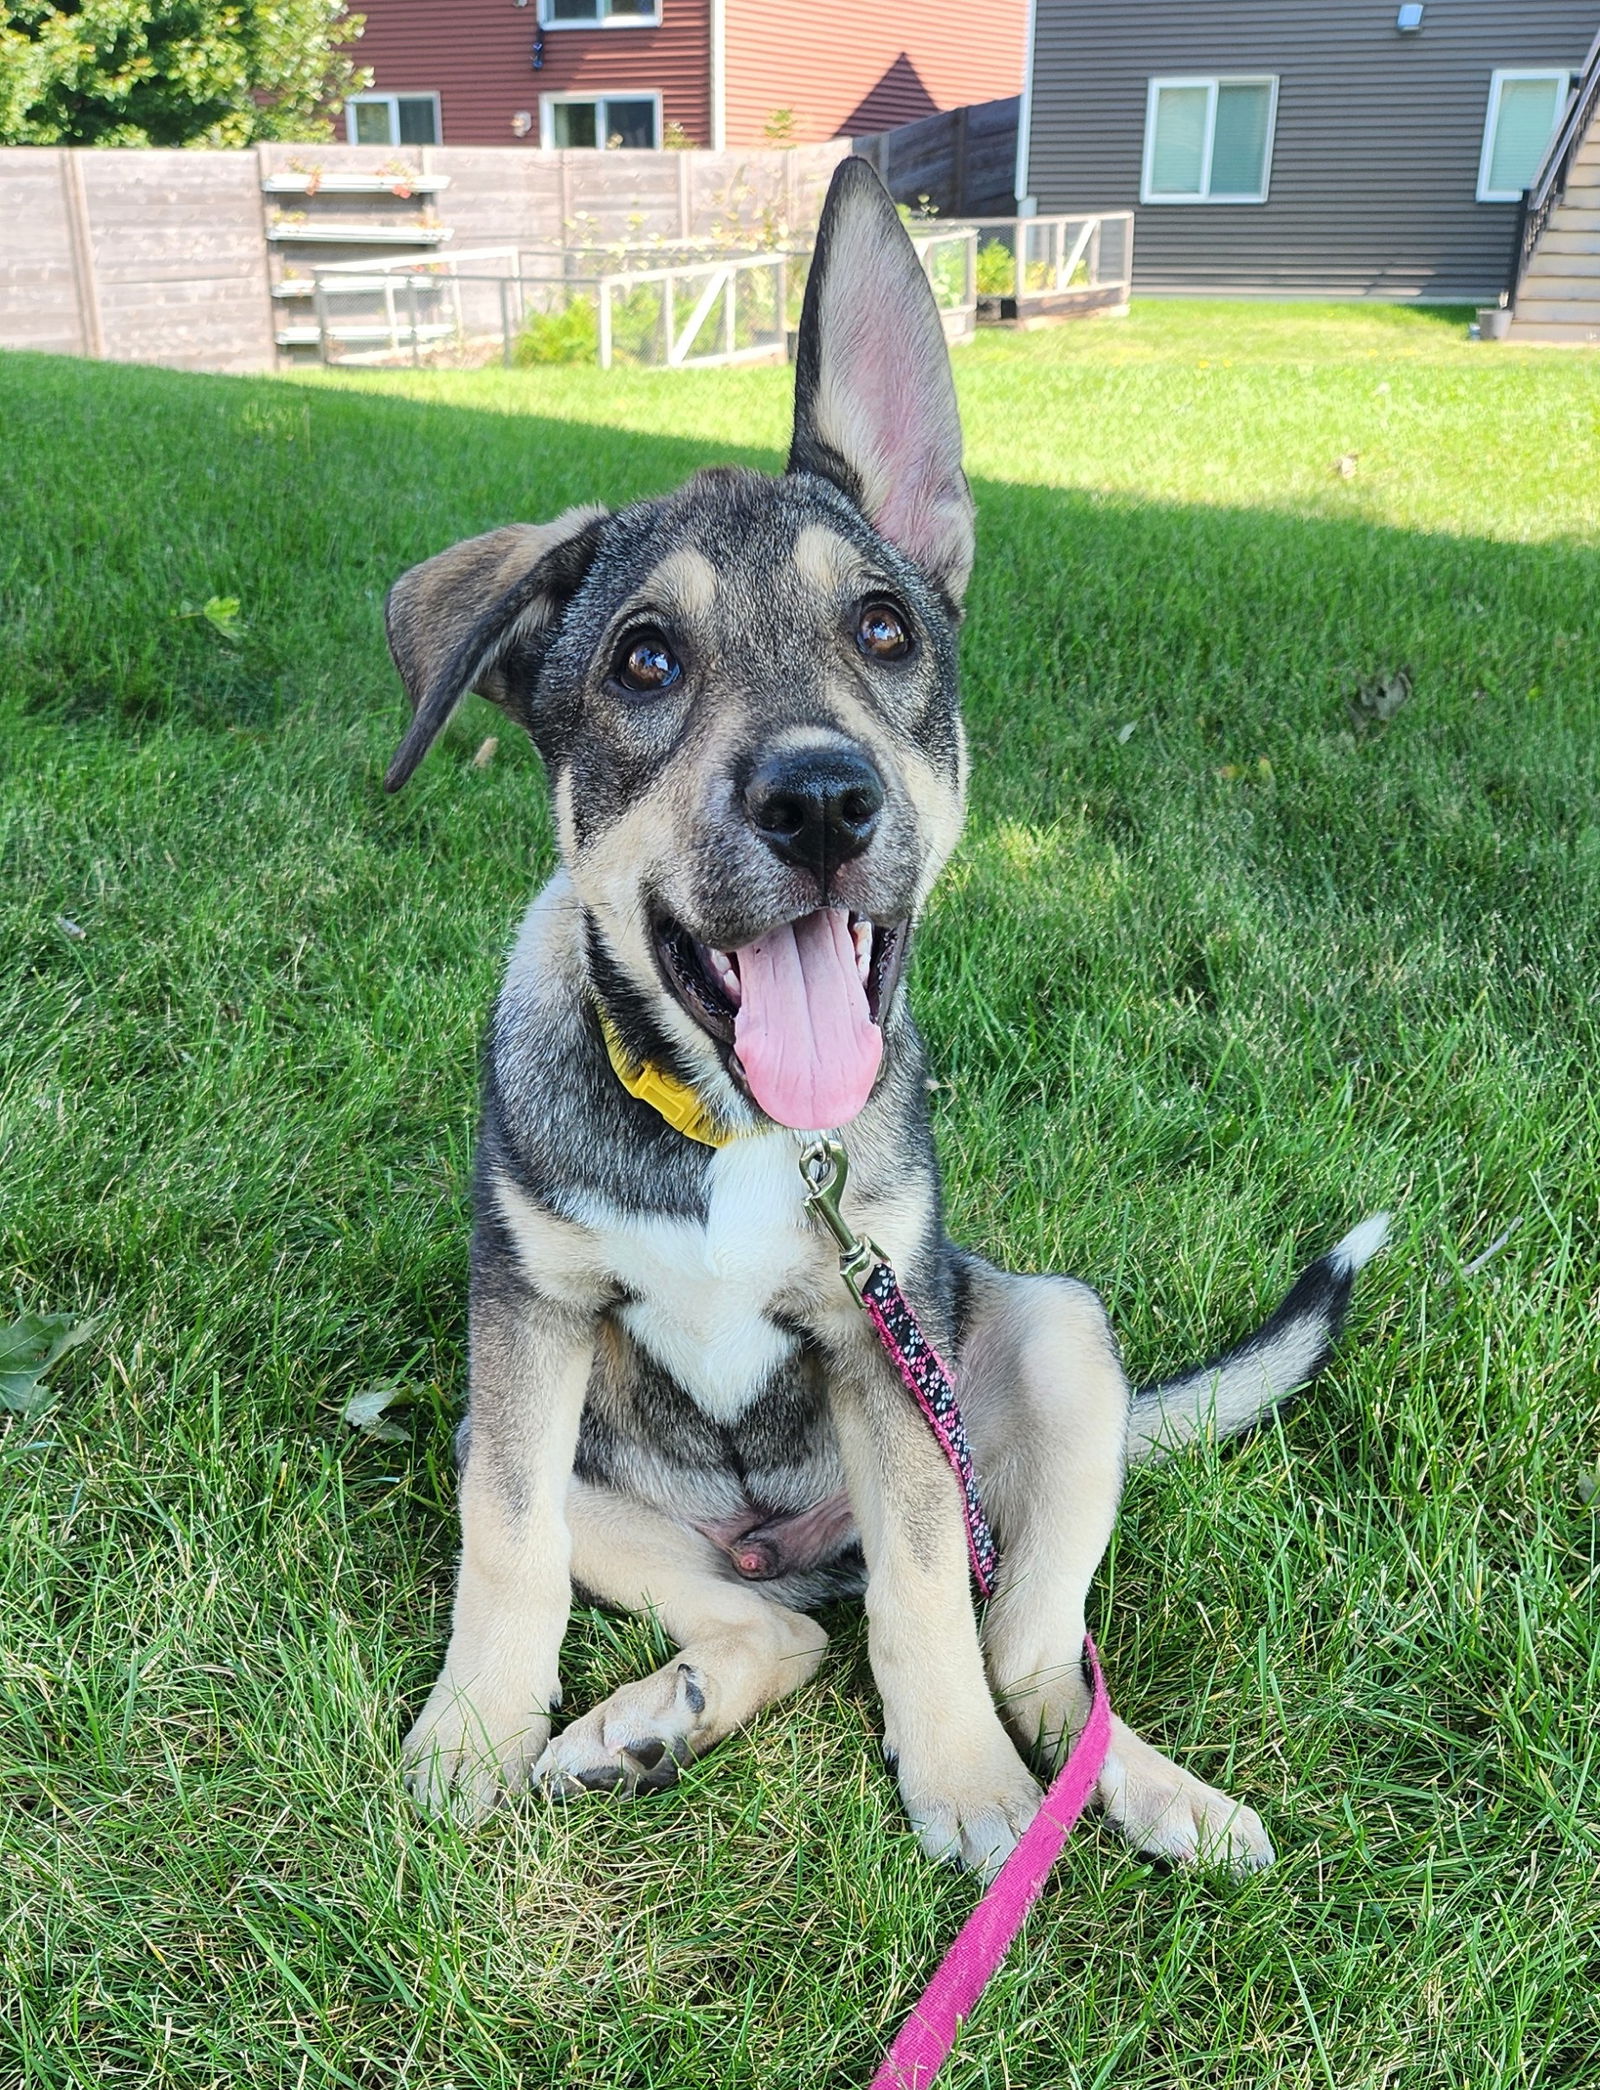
(1225, 961)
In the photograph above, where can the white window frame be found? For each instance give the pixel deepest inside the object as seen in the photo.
(602, 21)
(549, 103)
(1211, 82)
(1561, 74)
(394, 96)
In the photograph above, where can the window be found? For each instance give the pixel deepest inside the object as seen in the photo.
(598, 14)
(1524, 109)
(631, 121)
(1208, 141)
(392, 119)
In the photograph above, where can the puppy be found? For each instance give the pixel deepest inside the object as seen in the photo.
(745, 698)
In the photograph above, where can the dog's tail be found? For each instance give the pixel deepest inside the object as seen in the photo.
(1246, 1383)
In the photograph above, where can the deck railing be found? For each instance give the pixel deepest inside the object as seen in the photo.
(1550, 183)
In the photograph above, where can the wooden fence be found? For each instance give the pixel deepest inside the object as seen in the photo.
(963, 160)
(181, 257)
(202, 259)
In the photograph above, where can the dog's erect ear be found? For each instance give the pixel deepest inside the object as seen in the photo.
(874, 401)
(461, 620)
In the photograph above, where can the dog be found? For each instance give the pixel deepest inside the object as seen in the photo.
(745, 699)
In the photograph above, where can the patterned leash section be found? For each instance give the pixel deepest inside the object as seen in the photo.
(926, 2039)
(928, 1381)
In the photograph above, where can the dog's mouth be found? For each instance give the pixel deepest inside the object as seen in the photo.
(800, 1006)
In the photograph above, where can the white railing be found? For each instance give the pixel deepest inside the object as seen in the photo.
(377, 311)
(528, 305)
(1055, 257)
(489, 302)
(949, 257)
(736, 311)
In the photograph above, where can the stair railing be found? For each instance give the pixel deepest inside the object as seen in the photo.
(1550, 183)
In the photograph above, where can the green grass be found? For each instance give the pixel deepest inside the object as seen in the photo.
(1200, 994)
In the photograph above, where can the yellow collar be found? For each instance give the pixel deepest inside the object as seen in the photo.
(672, 1099)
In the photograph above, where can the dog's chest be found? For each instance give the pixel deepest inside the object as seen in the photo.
(698, 1294)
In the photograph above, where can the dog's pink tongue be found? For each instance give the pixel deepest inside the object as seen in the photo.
(807, 1045)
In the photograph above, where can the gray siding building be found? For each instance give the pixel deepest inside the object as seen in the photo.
(1319, 148)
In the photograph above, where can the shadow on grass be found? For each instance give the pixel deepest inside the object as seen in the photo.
(1107, 639)
(306, 502)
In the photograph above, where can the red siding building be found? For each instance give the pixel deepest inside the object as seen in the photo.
(651, 72)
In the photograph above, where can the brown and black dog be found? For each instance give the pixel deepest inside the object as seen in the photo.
(745, 698)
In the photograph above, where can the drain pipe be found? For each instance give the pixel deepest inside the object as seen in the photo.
(1026, 205)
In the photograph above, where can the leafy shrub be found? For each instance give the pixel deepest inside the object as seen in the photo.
(996, 269)
(569, 336)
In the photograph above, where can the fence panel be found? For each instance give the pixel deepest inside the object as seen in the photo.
(962, 160)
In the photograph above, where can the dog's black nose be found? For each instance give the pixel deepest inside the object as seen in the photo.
(815, 809)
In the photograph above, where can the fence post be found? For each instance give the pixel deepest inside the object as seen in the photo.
(505, 322)
(83, 278)
(783, 304)
(319, 305)
(411, 309)
(603, 289)
(669, 315)
(727, 308)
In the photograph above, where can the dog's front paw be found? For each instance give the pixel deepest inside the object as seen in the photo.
(466, 1752)
(637, 1741)
(1166, 1812)
(970, 1813)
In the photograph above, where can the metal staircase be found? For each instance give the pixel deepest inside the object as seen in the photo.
(1555, 288)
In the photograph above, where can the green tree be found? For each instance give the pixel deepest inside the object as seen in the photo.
(174, 72)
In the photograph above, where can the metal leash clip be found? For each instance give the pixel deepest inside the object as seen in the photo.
(825, 1168)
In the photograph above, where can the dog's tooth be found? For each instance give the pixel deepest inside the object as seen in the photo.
(861, 937)
(727, 975)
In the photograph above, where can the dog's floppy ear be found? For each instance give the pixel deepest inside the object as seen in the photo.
(874, 401)
(455, 621)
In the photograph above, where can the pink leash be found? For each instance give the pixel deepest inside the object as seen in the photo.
(925, 2040)
(923, 2043)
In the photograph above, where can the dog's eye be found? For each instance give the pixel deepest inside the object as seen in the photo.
(881, 633)
(646, 664)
